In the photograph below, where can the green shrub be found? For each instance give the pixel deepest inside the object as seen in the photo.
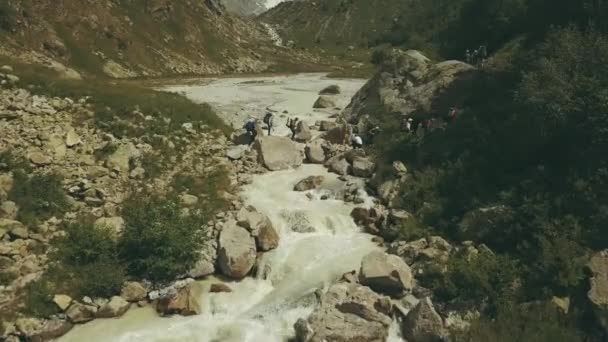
(39, 196)
(7, 277)
(9, 161)
(208, 189)
(159, 243)
(538, 323)
(38, 298)
(87, 260)
(485, 278)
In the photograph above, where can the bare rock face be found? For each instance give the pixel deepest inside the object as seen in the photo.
(185, 302)
(348, 312)
(278, 153)
(598, 293)
(423, 323)
(309, 183)
(386, 273)
(237, 251)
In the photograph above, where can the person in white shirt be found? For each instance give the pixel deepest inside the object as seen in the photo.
(357, 141)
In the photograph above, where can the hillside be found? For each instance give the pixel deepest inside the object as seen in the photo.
(335, 24)
(245, 7)
(138, 38)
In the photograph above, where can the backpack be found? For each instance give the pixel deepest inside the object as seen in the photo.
(267, 118)
(250, 126)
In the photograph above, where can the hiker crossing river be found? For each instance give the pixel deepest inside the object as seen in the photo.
(319, 241)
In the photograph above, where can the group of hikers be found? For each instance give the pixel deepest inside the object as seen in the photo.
(419, 127)
(477, 57)
(251, 126)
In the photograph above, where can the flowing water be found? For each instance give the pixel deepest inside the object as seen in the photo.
(319, 242)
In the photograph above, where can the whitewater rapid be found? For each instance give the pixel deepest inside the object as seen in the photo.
(319, 241)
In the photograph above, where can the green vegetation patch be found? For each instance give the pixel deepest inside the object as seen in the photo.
(39, 196)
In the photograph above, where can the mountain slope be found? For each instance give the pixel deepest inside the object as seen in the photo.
(130, 38)
(245, 7)
(335, 24)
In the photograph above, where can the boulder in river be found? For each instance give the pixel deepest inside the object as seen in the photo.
(52, 329)
(278, 153)
(80, 313)
(386, 273)
(315, 153)
(324, 102)
(309, 183)
(338, 164)
(133, 291)
(237, 251)
(333, 89)
(116, 307)
(348, 312)
(303, 133)
(185, 302)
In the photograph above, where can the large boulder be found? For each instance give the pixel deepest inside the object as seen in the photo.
(260, 227)
(303, 133)
(386, 273)
(423, 323)
(80, 313)
(407, 82)
(62, 301)
(116, 307)
(52, 329)
(278, 153)
(15, 228)
(267, 238)
(598, 292)
(120, 159)
(338, 164)
(324, 102)
(338, 135)
(315, 153)
(133, 291)
(309, 183)
(363, 167)
(237, 152)
(185, 302)
(348, 312)
(333, 89)
(237, 251)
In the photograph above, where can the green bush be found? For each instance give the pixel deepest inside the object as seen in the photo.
(38, 298)
(537, 323)
(9, 161)
(208, 189)
(485, 278)
(87, 259)
(39, 196)
(7, 277)
(159, 243)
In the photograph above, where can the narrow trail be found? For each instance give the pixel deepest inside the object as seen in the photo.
(265, 308)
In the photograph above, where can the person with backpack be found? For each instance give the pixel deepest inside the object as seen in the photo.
(452, 114)
(269, 121)
(250, 126)
(292, 124)
(356, 141)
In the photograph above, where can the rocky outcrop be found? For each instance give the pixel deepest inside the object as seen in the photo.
(237, 251)
(185, 302)
(348, 312)
(423, 323)
(598, 292)
(338, 164)
(387, 274)
(324, 102)
(309, 183)
(408, 82)
(278, 153)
